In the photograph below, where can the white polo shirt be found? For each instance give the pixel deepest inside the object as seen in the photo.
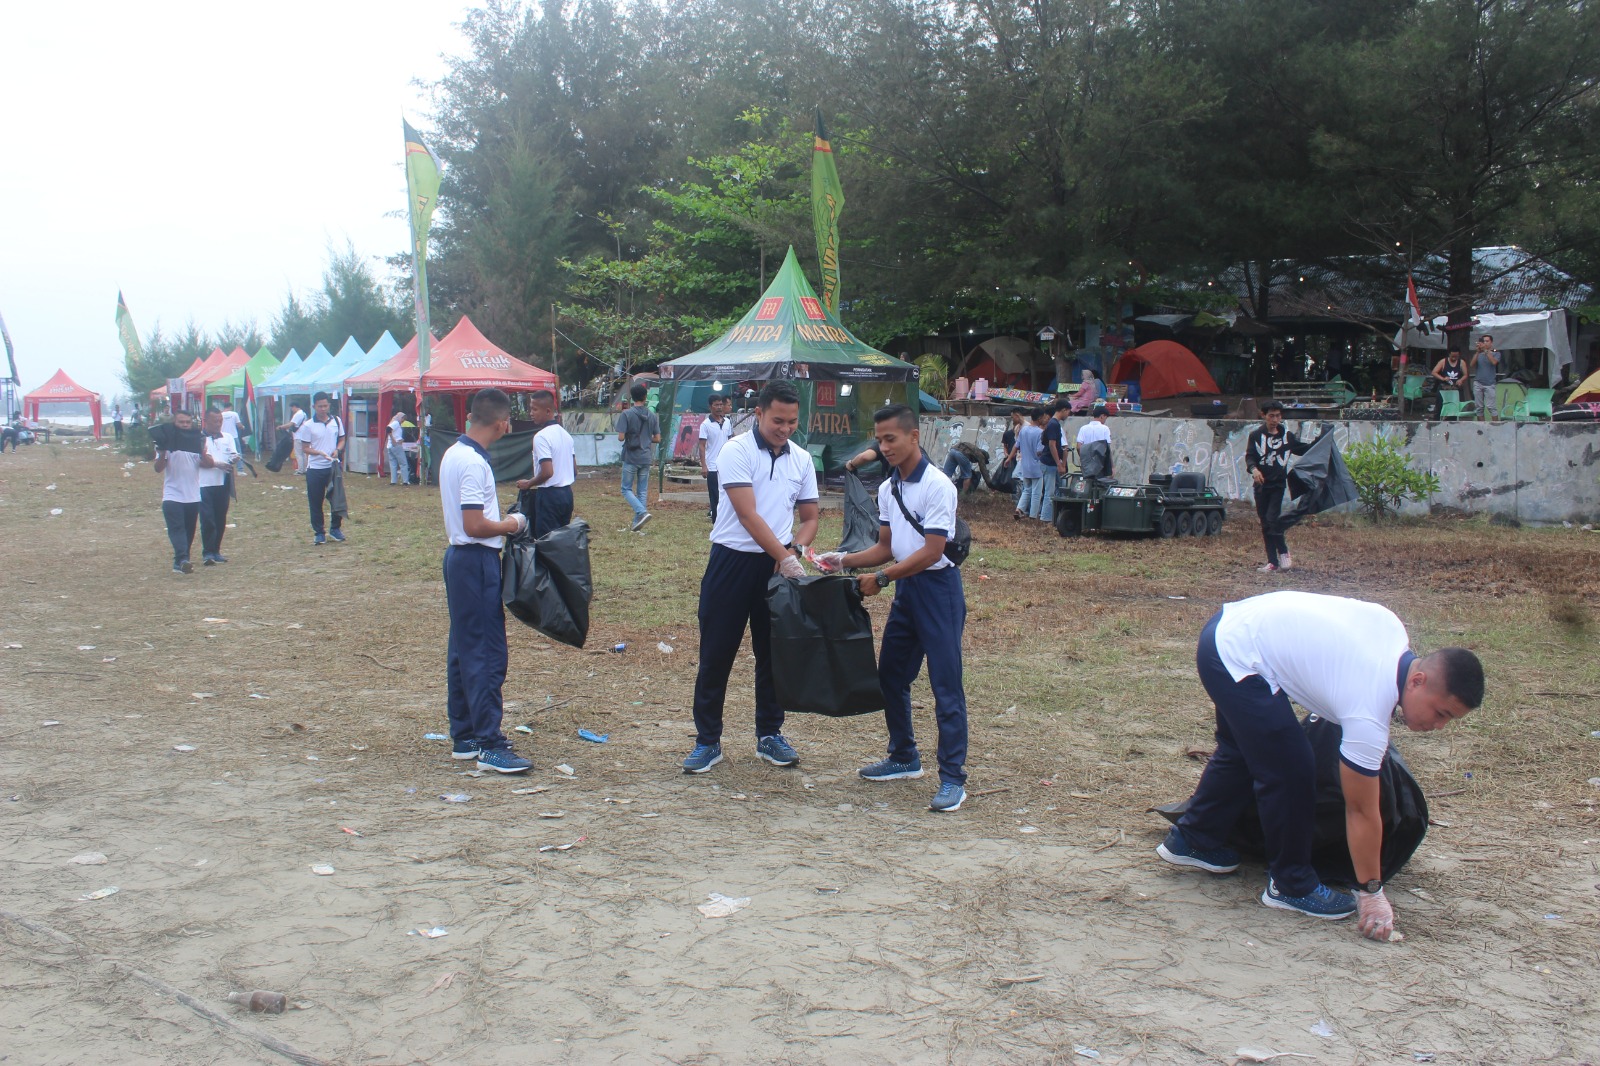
(230, 426)
(466, 483)
(715, 434)
(1336, 657)
(323, 436)
(297, 419)
(397, 432)
(180, 481)
(554, 443)
(780, 481)
(225, 453)
(1092, 431)
(930, 496)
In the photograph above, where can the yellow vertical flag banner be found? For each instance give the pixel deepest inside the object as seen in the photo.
(422, 187)
(827, 201)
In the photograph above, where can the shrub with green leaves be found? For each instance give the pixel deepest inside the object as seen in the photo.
(1385, 478)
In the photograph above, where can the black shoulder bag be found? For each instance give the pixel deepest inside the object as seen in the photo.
(957, 546)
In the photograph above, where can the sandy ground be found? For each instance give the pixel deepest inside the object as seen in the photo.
(1035, 926)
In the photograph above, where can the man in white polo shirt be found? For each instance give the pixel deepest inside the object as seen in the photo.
(555, 467)
(180, 453)
(322, 437)
(929, 612)
(714, 433)
(1094, 430)
(1348, 662)
(765, 479)
(477, 655)
(216, 488)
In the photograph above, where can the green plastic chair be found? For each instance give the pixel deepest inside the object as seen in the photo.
(1410, 390)
(1508, 397)
(1452, 406)
(1537, 407)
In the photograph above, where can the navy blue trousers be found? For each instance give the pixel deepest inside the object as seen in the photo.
(552, 509)
(213, 517)
(317, 482)
(1261, 749)
(477, 656)
(733, 594)
(180, 519)
(711, 492)
(926, 619)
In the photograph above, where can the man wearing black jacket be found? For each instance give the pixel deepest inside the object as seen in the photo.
(1266, 456)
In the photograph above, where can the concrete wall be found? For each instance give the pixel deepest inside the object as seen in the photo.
(1535, 472)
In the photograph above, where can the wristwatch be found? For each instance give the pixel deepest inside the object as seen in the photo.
(1372, 888)
(883, 579)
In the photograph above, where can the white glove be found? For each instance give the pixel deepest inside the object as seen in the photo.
(522, 524)
(790, 567)
(1376, 915)
(829, 562)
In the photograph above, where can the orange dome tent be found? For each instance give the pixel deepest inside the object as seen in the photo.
(1162, 369)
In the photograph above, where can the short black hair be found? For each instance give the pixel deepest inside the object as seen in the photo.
(1463, 675)
(1061, 404)
(1487, 337)
(1271, 405)
(638, 390)
(720, 397)
(319, 397)
(227, 405)
(777, 392)
(1099, 409)
(490, 405)
(1036, 413)
(904, 417)
(542, 396)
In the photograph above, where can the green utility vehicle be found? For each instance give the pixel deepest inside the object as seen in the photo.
(1172, 505)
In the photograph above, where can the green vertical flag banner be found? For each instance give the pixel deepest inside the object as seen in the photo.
(422, 185)
(129, 335)
(827, 200)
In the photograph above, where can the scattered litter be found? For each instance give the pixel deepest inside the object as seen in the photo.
(313, 758)
(49, 722)
(1086, 1052)
(101, 893)
(1256, 1054)
(652, 814)
(1322, 1029)
(50, 487)
(530, 791)
(1422, 1056)
(1029, 829)
(1195, 751)
(1594, 780)
(1177, 597)
(259, 1001)
(199, 863)
(109, 659)
(562, 847)
(454, 797)
(608, 799)
(444, 981)
(1596, 733)
(720, 906)
(593, 737)
(1552, 917)
(55, 510)
(827, 891)
(565, 769)
(619, 648)
(183, 747)
(552, 814)
(216, 621)
(467, 773)
(86, 647)
(294, 625)
(524, 729)
(259, 696)
(322, 869)
(432, 934)
(13, 647)
(845, 807)
(663, 647)
(347, 829)
(434, 736)
(203, 695)
(1027, 979)
(1421, 893)
(89, 858)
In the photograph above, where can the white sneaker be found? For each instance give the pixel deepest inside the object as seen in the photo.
(1284, 562)
(1267, 568)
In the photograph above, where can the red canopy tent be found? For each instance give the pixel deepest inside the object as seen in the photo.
(1164, 368)
(196, 369)
(197, 382)
(62, 389)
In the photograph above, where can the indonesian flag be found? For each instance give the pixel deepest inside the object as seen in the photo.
(1413, 308)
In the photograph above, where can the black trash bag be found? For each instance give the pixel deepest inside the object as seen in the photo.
(1004, 478)
(860, 516)
(545, 583)
(822, 658)
(1318, 481)
(1095, 458)
(1401, 805)
(281, 448)
(169, 438)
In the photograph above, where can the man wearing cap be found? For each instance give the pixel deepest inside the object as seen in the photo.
(1348, 662)
(765, 480)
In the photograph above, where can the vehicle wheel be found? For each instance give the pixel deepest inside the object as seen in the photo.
(1169, 524)
(1185, 524)
(1213, 523)
(1069, 521)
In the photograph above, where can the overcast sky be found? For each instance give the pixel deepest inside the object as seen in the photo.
(200, 157)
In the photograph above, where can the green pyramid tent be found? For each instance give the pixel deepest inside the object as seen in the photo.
(789, 335)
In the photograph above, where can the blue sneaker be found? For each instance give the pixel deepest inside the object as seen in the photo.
(889, 770)
(337, 534)
(503, 760)
(702, 758)
(465, 749)
(1177, 850)
(776, 750)
(1322, 902)
(949, 798)
(319, 539)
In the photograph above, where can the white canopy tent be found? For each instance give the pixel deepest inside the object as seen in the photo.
(1537, 329)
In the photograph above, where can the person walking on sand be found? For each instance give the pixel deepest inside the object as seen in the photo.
(297, 418)
(714, 433)
(639, 430)
(216, 487)
(1348, 662)
(180, 454)
(1266, 456)
(322, 437)
(476, 656)
(555, 469)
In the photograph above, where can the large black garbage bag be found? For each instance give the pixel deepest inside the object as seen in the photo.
(545, 583)
(1095, 458)
(822, 660)
(169, 438)
(1004, 478)
(1318, 480)
(282, 446)
(860, 516)
(1401, 804)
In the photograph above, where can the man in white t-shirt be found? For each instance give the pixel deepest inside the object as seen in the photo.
(394, 452)
(477, 652)
(1094, 430)
(548, 493)
(766, 479)
(215, 488)
(297, 418)
(180, 453)
(322, 439)
(230, 425)
(929, 613)
(1348, 662)
(714, 433)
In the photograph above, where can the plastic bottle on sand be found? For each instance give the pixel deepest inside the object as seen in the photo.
(259, 1001)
